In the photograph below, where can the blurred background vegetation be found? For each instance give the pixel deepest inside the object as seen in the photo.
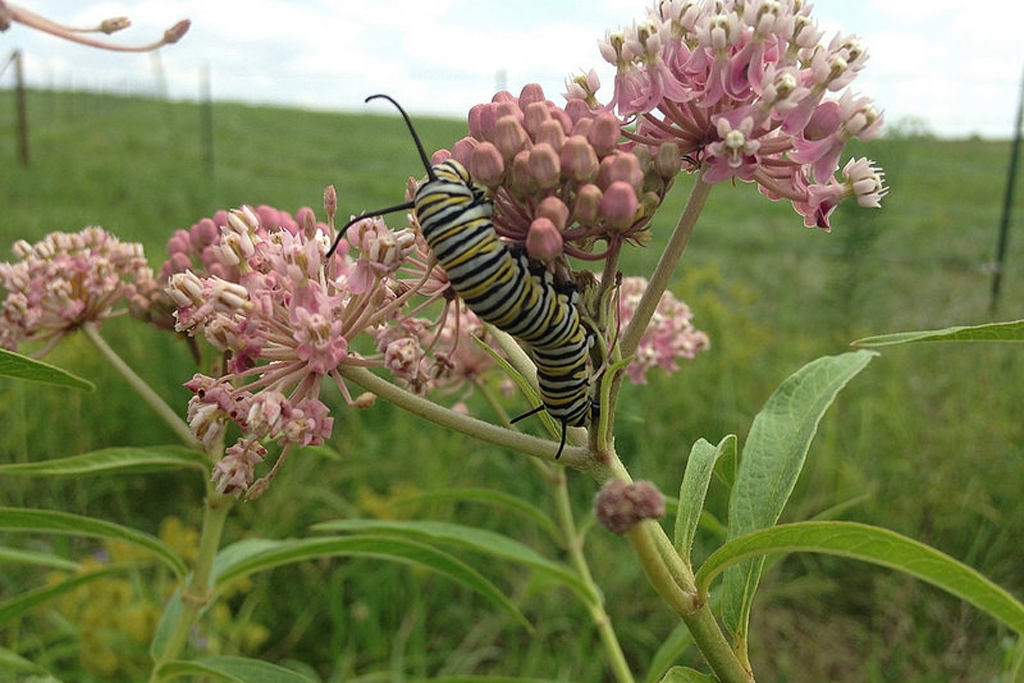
(929, 441)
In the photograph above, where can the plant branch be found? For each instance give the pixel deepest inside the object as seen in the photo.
(666, 267)
(151, 398)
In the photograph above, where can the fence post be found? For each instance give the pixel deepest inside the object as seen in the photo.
(19, 99)
(1004, 221)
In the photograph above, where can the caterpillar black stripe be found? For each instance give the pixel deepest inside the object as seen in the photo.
(499, 285)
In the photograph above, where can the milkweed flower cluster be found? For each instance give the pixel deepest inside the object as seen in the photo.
(669, 336)
(558, 177)
(68, 279)
(258, 286)
(746, 89)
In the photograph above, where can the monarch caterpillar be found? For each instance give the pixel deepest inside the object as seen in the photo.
(499, 285)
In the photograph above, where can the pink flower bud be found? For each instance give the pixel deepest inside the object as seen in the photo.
(543, 241)
(511, 108)
(604, 134)
(582, 127)
(619, 205)
(330, 201)
(579, 161)
(551, 132)
(522, 181)
(577, 110)
(587, 207)
(619, 506)
(544, 165)
(531, 92)
(509, 136)
(486, 165)
(440, 156)
(204, 232)
(535, 114)
(462, 150)
(555, 210)
(622, 167)
(482, 120)
(667, 162)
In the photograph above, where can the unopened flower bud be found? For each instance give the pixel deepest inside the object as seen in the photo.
(587, 207)
(534, 115)
(364, 400)
(509, 136)
(579, 161)
(462, 150)
(555, 210)
(544, 165)
(330, 201)
(551, 132)
(619, 205)
(624, 167)
(482, 121)
(543, 241)
(531, 92)
(667, 162)
(522, 181)
(604, 134)
(486, 165)
(619, 505)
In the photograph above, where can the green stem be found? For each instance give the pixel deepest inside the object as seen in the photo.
(666, 266)
(574, 545)
(199, 591)
(151, 398)
(674, 582)
(577, 457)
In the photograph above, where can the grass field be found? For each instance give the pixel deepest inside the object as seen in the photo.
(929, 441)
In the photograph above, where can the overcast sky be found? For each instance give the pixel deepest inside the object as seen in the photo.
(952, 65)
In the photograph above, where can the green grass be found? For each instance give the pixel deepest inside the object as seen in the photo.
(929, 441)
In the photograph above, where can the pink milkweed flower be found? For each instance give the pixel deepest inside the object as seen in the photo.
(745, 89)
(286, 320)
(67, 280)
(669, 337)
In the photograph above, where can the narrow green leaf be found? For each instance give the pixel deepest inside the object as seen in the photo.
(12, 661)
(492, 498)
(1011, 331)
(681, 674)
(233, 669)
(47, 560)
(169, 618)
(253, 555)
(877, 546)
(17, 366)
(479, 540)
(15, 607)
(671, 649)
(65, 523)
(129, 460)
(771, 463)
(700, 467)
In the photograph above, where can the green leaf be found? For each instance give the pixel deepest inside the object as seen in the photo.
(234, 669)
(54, 522)
(48, 560)
(15, 607)
(771, 463)
(670, 650)
(1012, 331)
(877, 546)
(17, 366)
(253, 555)
(700, 467)
(472, 538)
(130, 460)
(490, 497)
(12, 661)
(681, 674)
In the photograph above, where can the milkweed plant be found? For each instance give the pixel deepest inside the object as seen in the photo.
(709, 94)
